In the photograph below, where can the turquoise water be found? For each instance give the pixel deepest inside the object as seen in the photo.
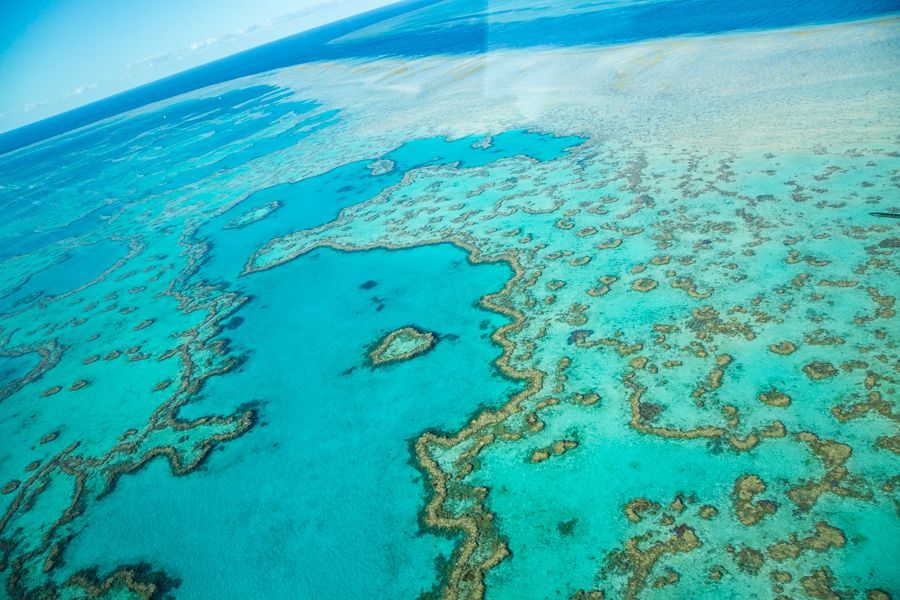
(662, 298)
(315, 201)
(14, 367)
(322, 497)
(679, 369)
(118, 305)
(78, 266)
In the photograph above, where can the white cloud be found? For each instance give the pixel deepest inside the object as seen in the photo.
(195, 53)
(40, 103)
(312, 16)
(80, 90)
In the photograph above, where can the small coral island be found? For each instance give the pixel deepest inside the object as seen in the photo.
(402, 344)
(253, 215)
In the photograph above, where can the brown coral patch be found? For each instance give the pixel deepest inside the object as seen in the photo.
(822, 539)
(639, 561)
(819, 370)
(557, 448)
(643, 284)
(784, 348)
(775, 398)
(382, 352)
(750, 512)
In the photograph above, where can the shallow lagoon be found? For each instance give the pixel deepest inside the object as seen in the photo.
(322, 498)
(111, 302)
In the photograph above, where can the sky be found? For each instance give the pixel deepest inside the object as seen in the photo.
(56, 55)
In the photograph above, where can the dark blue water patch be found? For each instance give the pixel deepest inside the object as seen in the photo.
(469, 26)
(29, 241)
(253, 119)
(16, 367)
(272, 144)
(251, 151)
(77, 267)
(458, 31)
(171, 122)
(317, 200)
(165, 149)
